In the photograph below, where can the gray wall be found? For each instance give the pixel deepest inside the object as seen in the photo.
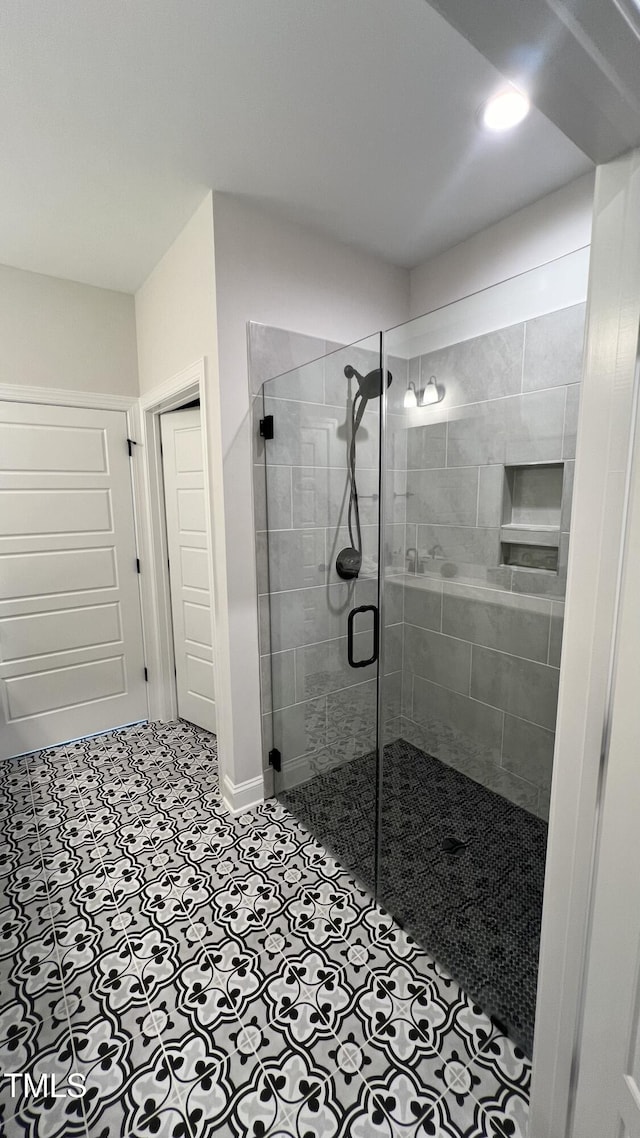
(482, 641)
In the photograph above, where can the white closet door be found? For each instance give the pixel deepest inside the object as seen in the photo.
(71, 656)
(189, 552)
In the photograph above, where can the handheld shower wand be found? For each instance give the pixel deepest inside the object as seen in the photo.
(349, 559)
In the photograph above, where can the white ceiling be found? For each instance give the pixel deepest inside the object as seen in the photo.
(353, 116)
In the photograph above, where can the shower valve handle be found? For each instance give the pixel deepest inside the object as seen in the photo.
(351, 618)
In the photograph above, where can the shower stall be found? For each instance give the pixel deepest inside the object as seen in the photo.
(412, 549)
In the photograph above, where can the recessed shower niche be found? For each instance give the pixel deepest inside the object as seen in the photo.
(531, 516)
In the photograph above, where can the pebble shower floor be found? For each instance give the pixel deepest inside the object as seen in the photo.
(200, 974)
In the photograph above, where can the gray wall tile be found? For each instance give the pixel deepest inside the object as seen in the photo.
(296, 559)
(304, 384)
(306, 616)
(567, 496)
(300, 729)
(515, 624)
(423, 603)
(280, 669)
(426, 445)
(486, 367)
(273, 351)
(544, 803)
(491, 490)
(306, 434)
(393, 648)
(463, 547)
(523, 688)
(323, 668)
(511, 787)
(352, 712)
(272, 496)
(394, 596)
(571, 421)
(399, 369)
(443, 496)
(477, 721)
(440, 659)
(396, 442)
(553, 349)
(321, 496)
(527, 750)
(555, 638)
(366, 593)
(525, 428)
(257, 413)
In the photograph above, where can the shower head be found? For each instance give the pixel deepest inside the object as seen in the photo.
(370, 385)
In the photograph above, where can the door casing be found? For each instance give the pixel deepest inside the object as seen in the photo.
(170, 396)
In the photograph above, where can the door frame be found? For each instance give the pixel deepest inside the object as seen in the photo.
(603, 460)
(182, 388)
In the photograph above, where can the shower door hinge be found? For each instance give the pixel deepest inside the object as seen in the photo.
(131, 443)
(146, 675)
(266, 427)
(137, 564)
(275, 759)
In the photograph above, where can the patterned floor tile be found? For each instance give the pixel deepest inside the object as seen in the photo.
(208, 975)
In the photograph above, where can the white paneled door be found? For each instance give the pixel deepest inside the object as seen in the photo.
(189, 546)
(71, 655)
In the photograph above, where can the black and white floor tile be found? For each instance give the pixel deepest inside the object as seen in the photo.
(198, 974)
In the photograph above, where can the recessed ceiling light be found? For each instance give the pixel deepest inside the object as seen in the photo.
(504, 110)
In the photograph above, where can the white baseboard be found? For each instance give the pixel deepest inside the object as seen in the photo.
(242, 796)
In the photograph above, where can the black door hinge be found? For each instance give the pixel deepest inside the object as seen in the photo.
(146, 675)
(131, 443)
(275, 759)
(266, 427)
(137, 564)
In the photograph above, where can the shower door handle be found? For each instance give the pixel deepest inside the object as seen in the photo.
(352, 615)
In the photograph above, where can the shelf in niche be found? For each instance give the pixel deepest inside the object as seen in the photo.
(530, 534)
(531, 516)
(523, 555)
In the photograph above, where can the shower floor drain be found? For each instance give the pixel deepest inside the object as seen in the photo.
(453, 846)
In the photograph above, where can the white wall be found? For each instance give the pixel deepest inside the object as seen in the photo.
(57, 333)
(176, 327)
(175, 307)
(555, 225)
(278, 273)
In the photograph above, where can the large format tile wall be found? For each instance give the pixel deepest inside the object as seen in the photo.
(317, 710)
(482, 640)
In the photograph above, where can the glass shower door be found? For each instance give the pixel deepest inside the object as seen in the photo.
(319, 554)
(480, 452)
